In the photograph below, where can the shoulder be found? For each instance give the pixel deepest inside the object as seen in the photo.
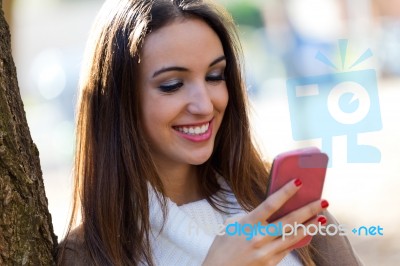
(73, 251)
(334, 249)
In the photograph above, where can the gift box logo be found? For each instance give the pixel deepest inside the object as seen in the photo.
(342, 103)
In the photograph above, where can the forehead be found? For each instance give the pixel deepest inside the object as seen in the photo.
(182, 42)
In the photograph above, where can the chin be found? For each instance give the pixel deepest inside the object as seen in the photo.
(200, 159)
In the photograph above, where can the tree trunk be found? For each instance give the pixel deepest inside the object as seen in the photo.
(26, 231)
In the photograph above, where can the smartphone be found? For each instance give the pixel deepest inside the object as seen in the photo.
(309, 165)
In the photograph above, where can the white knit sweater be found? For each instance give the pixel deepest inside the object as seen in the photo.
(190, 229)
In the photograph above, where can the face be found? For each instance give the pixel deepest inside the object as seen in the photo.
(183, 92)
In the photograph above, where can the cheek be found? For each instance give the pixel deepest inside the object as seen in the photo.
(160, 111)
(221, 97)
(153, 116)
(150, 116)
(154, 124)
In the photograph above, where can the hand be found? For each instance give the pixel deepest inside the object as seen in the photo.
(263, 250)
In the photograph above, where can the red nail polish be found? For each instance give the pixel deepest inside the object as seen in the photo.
(324, 204)
(322, 220)
(298, 182)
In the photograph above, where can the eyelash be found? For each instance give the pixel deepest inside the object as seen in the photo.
(175, 86)
(171, 88)
(215, 78)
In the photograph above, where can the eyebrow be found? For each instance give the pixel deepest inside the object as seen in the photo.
(177, 68)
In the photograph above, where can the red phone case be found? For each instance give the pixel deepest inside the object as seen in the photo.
(309, 165)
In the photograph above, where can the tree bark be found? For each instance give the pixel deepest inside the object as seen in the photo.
(26, 231)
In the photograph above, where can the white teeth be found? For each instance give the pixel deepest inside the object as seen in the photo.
(198, 130)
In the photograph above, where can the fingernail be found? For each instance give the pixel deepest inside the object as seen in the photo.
(298, 182)
(324, 204)
(322, 220)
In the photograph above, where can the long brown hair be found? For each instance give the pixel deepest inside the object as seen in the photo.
(113, 163)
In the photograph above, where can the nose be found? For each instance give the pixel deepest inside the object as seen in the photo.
(200, 100)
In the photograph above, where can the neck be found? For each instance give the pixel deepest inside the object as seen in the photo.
(181, 183)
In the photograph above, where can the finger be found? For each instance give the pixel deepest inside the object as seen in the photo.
(310, 228)
(297, 221)
(273, 202)
(289, 239)
(304, 232)
(304, 213)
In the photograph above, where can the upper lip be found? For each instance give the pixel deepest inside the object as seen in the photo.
(194, 124)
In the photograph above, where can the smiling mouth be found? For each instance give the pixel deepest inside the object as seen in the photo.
(194, 130)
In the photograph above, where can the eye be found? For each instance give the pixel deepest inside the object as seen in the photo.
(215, 76)
(171, 86)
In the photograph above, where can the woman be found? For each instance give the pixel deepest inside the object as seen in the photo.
(164, 147)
